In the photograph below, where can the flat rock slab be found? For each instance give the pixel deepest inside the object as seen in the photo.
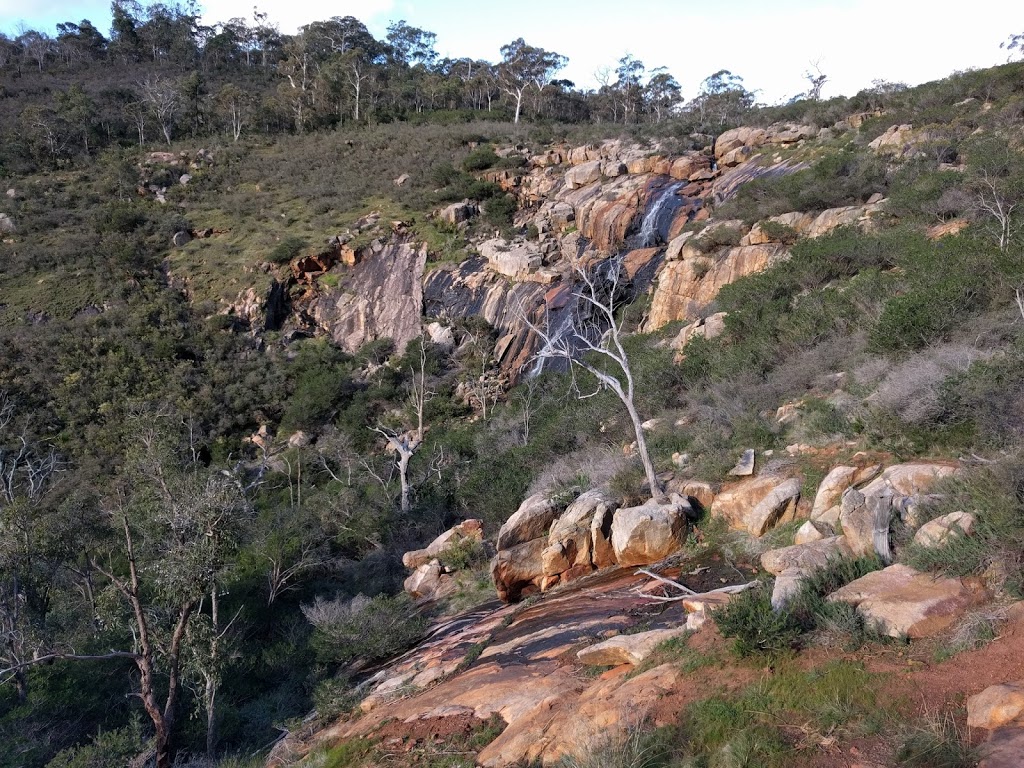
(627, 649)
(900, 601)
(806, 557)
(996, 706)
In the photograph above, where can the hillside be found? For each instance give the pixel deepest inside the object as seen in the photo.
(342, 442)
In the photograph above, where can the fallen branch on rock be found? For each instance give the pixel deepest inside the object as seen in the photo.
(689, 594)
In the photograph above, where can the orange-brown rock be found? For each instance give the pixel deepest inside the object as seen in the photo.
(626, 649)
(830, 491)
(685, 287)
(902, 602)
(996, 706)
(746, 504)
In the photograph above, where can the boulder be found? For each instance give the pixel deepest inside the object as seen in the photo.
(7, 224)
(441, 335)
(811, 531)
(1004, 748)
(737, 502)
(627, 649)
(865, 521)
(601, 537)
(517, 260)
(745, 466)
(787, 586)
(902, 602)
(456, 213)
(467, 529)
(996, 706)
(852, 215)
(583, 174)
(518, 570)
(735, 157)
(533, 518)
(806, 557)
(778, 506)
(941, 530)
(830, 491)
(909, 479)
(571, 540)
(649, 533)
(428, 581)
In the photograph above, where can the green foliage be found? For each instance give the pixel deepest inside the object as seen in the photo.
(480, 159)
(286, 250)
(939, 743)
(743, 729)
(499, 210)
(464, 554)
(107, 749)
(993, 495)
(362, 627)
(837, 179)
(754, 627)
(349, 753)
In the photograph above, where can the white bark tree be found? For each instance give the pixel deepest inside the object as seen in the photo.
(592, 341)
(406, 444)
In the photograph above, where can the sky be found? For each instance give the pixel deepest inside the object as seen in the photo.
(770, 44)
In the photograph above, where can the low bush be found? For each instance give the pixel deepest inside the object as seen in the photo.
(286, 250)
(755, 628)
(480, 159)
(363, 627)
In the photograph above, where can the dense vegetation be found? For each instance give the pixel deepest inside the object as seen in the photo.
(202, 512)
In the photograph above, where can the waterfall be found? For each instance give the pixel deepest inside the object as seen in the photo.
(661, 210)
(556, 333)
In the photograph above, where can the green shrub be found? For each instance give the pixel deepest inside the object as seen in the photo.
(286, 250)
(499, 211)
(107, 749)
(754, 626)
(780, 232)
(463, 554)
(480, 159)
(363, 628)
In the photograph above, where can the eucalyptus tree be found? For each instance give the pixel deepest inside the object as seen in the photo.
(524, 67)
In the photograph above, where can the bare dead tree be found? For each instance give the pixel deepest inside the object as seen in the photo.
(816, 79)
(990, 200)
(162, 97)
(405, 444)
(594, 336)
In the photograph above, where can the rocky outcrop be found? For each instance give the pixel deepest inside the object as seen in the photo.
(382, 298)
(792, 565)
(518, 260)
(518, 571)
(996, 706)
(471, 530)
(627, 649)
(901, 602)
(686, 286)
(579, 541)
(758, 504)
(942, 530)
(830, 490)
(533, 518)
(649, 533)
